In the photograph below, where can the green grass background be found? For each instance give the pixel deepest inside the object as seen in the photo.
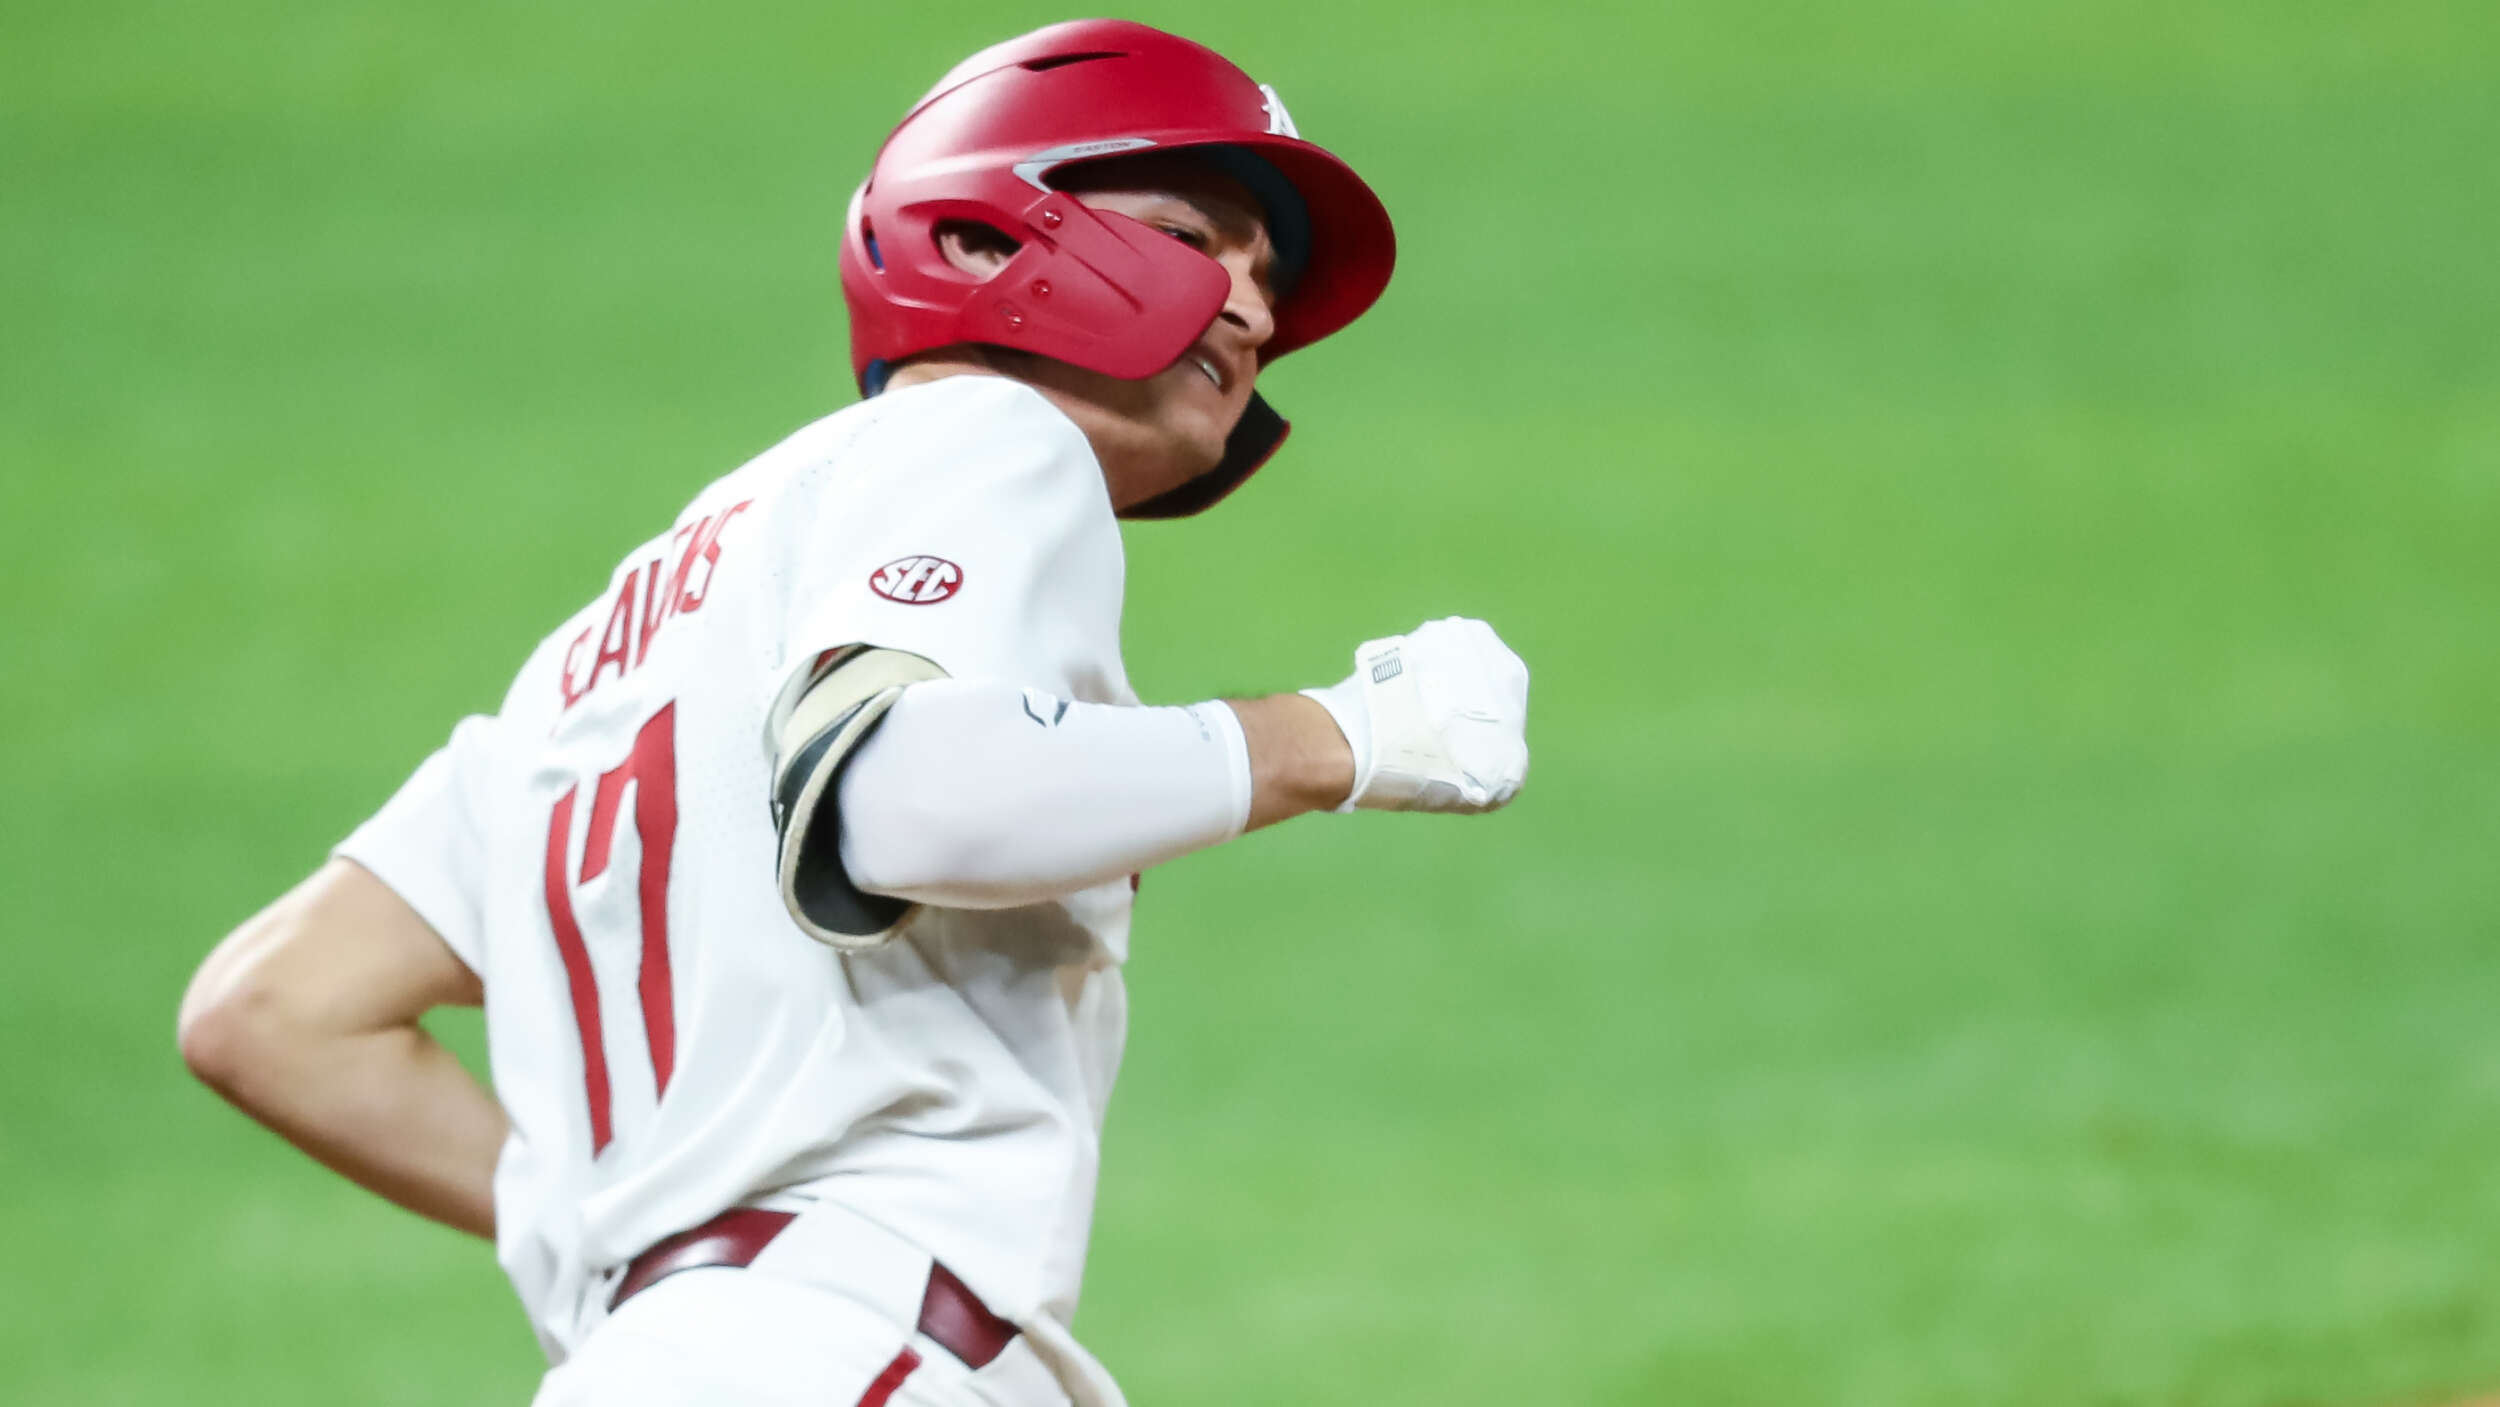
(2003, 502)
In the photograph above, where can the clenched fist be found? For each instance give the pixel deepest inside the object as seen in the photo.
(1437, 719)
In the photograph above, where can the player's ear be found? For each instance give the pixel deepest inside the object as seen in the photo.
(974, 248)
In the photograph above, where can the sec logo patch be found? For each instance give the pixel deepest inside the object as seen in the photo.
(917, 581)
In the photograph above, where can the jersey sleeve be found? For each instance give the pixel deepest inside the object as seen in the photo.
(969, 525)
(428, 842)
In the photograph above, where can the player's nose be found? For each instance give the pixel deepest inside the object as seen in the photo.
(1249, 306)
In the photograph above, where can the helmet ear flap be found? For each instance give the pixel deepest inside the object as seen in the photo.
(1097, 289)
(1089, 287)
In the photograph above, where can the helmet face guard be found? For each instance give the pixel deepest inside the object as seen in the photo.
(1093, 288)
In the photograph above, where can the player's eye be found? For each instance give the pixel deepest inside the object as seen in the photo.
(1195, 239)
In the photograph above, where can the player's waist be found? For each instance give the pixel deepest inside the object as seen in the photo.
(829, 1247)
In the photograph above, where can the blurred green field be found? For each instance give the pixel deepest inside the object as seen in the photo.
(2003, 503)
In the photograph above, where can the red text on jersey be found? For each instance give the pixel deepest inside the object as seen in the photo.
(648, 598)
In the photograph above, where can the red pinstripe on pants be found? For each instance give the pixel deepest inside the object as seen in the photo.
(890, 1379)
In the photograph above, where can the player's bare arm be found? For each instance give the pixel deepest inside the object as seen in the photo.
(1300, 761)
(306, 1018)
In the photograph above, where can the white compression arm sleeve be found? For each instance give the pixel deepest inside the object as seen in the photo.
(975, 795)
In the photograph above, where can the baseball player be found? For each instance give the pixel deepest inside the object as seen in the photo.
(795, 871)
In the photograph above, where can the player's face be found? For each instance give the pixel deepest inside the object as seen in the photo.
(1159, 433)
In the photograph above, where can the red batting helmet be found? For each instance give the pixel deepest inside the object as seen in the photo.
(1088, 287)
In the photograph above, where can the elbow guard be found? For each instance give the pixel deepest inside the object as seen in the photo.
(822, 717)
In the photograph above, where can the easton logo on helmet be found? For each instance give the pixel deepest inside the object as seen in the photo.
(917, 581)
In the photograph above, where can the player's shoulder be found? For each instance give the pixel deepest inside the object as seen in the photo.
(956, 431)
(983, 446)
(993, 419)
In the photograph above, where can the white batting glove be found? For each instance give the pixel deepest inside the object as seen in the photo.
(1437, 718)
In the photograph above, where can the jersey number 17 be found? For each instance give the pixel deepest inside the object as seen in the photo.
(652, 768)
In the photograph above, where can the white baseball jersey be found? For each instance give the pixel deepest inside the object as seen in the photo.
(665, 1040)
